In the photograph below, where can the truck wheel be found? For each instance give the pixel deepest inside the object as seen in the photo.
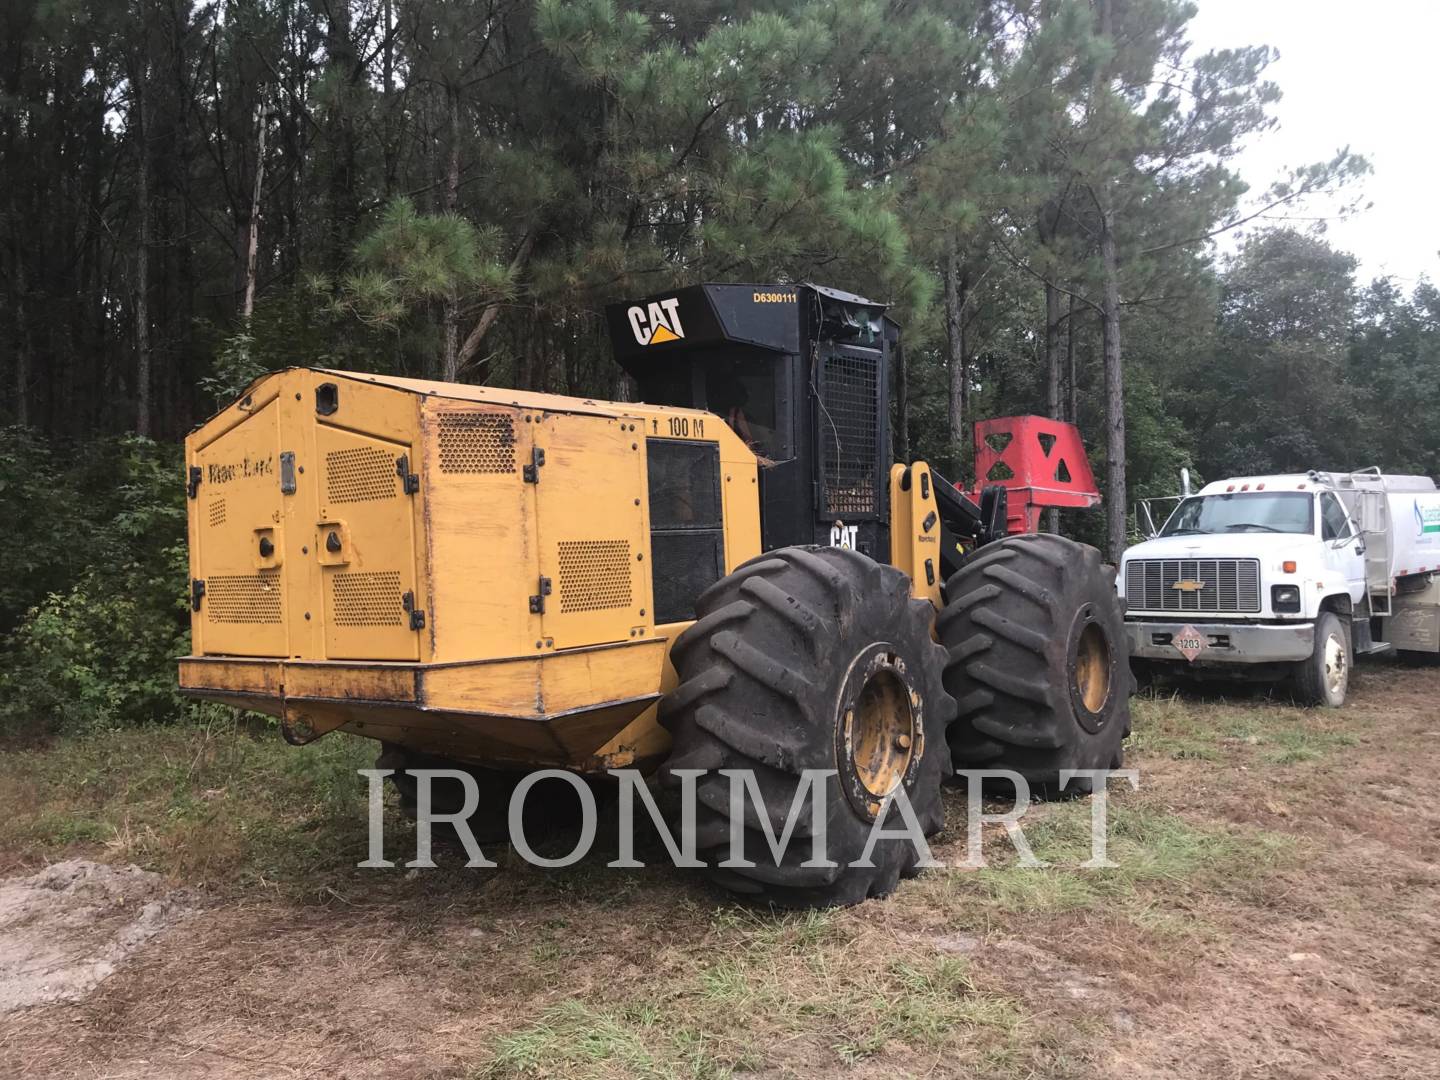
(1037, 661)
(1325, 677)
(810, 659)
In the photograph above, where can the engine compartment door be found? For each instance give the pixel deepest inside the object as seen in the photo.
(591, 500)
(237, 517)
(365, 545)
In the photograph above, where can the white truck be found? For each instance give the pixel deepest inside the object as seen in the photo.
(1269, 577)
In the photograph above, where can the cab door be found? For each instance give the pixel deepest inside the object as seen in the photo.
(1343, 545)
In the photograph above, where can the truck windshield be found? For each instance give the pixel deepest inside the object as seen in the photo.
(1249, 511)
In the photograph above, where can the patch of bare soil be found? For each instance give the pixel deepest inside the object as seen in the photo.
(72, 925)
(1328, 970)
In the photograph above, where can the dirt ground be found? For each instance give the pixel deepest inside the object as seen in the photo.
(1274, 914)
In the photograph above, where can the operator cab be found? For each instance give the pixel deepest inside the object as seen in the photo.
(800, 373)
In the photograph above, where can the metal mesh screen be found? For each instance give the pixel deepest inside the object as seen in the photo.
(684, 484)
(477, 443)
(368, 599)
(360, 474)
(687, 540)
(243, 598)
(594, 574)
(217, 513)
(685, 565)
(850, 434)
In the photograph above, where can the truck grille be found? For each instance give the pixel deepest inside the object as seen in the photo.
(1227, 585)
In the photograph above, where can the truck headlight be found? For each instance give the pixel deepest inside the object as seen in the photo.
(1285, 597)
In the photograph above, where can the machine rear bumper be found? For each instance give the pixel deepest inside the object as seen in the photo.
(559, 709)
(1226, 643)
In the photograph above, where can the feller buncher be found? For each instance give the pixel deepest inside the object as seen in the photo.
(729, 575)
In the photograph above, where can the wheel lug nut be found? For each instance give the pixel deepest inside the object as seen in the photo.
(902, 742)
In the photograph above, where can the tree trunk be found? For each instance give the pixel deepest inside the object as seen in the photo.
(1052, 351)
(252, 244)
(1052, 377)
(471, 345)
(1115, 494)
(340, 131)
(1072, 384)
(902, 406)
(142, 260)
(451, 315)
(955, 349)
(387, 60)
(22, 336)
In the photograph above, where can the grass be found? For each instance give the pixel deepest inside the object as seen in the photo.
(577, 1039)
(683, 985)
(1234, 732)
(225, 803)
(1155, 851)
(809, 981)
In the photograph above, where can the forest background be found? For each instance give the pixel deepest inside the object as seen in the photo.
(192, 194)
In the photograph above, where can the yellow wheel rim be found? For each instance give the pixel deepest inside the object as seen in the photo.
(880, 731)
(1092, 668)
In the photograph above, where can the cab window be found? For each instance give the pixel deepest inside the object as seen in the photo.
(746, 394)
(1334, 525)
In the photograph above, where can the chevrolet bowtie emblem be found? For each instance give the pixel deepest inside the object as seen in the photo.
(1188, 585)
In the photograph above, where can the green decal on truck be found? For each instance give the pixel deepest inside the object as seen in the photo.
(1427, 517)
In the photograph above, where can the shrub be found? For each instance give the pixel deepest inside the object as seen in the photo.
(100, 651)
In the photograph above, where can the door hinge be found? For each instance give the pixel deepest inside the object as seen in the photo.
(410, 479)
(531, 472)
(417, 617)
(196, 475)
(197, 593)
(537, 602)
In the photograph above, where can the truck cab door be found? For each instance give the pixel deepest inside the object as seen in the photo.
(1344, 545)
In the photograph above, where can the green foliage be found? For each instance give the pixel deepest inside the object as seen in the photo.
(36, 495)
(100, 651)
(411, 259)
(236, 366)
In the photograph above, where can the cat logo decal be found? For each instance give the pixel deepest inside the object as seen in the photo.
(657, 322)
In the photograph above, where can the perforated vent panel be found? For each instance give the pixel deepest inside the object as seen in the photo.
(849, 434)
(594, 574)
(477, 443)
(243, 598)
(217, 512)
(371, 599)
(360, 474)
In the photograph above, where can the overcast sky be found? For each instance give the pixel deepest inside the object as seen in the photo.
(1353, 74)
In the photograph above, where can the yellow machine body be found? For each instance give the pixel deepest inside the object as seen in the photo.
(458, 570)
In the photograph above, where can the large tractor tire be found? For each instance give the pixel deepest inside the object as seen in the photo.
(1038, 663)
(810, 658)
(1324, 679)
